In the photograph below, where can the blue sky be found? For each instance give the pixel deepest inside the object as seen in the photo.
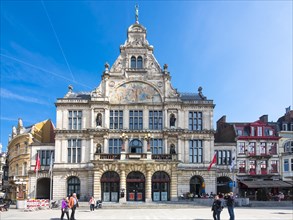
(240, 52)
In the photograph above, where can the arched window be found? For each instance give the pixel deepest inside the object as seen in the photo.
(133, 62)
(16, 170)
(135, 146)
(24, 169)
(139, 63)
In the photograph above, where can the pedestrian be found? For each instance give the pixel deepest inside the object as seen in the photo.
(92, 203)
(217, 208)
(64, 208)
(230, 201)
(73, 204)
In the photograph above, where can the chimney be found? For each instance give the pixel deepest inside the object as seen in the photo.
(264, 118)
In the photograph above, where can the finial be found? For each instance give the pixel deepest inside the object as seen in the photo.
(136, 14)
(106, 67)
(165, 67)
(70, 88)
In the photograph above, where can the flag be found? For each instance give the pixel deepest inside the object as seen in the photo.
(232, 164)
(38, 163)
(213, 161)
(51, 163)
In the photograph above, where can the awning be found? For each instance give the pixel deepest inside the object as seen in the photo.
(267, 184)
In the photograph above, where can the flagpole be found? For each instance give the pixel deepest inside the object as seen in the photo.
(51, 183)
(36, 184)
(51, 178)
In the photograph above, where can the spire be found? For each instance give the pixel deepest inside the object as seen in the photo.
(136, 14)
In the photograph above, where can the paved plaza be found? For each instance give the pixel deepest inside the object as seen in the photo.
(196, 213)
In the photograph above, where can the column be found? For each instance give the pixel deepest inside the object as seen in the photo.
(173, 184)
(97, 185)
(122, 183)
(148, 184)
(92, 147)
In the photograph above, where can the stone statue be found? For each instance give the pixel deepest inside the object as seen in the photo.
(98, 149)
(172, 149)
(172, 120)
(99, 120)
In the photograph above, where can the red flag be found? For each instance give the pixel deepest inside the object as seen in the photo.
(213, 161)
(38, 163)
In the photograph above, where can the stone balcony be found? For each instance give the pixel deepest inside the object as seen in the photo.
(135, 156)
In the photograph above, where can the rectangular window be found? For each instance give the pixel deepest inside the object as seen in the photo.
(252, 131)
(263, 150)
(242, 166)
(115, 146)
(252, 170)
(223, 157)
(259, 131)
(241, 147)
(156, 146)
(286, 165)
(74, 151)
(273, 148)
(155, 120)
(195, 151)
(195, 121)
(274, 166)
(24, 169)
(251, 148)
(45, 156)
(116, 119)
(263, 167)
(284, 127)
(239, 132)
(291, 164)
(135, 120)
(74, 120)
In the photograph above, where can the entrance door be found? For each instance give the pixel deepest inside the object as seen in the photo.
(196, 186)
(160, 186)
(135, 187)
(110, 182)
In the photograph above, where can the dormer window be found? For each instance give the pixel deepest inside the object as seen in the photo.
(136, 63)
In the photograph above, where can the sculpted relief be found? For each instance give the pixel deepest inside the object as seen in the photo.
(135, 92)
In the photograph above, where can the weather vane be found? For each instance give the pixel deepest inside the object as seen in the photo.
(136, 14)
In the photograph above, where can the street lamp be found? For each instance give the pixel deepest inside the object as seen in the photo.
(124, 137)
(147, 137)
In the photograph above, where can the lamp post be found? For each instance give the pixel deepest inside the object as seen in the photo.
(124, 137)
(148, 137)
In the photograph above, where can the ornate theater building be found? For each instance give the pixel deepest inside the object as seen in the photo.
(134, 137)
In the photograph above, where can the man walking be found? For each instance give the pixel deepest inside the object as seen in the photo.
(230, 205)
(73, 203)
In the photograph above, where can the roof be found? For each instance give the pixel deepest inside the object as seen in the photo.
(190, 97)
(267, 183)
(81, 95)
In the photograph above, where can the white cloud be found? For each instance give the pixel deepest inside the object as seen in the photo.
(10, 95)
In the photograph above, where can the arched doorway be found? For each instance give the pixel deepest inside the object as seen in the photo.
(135, 146)
(110, 183)
(197, 186)
(43, 188)
(160, 186)
(224, 184)
(73, 186)
(135, 186)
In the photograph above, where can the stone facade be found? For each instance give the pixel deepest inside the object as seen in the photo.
(21, 157)
(134, 137)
